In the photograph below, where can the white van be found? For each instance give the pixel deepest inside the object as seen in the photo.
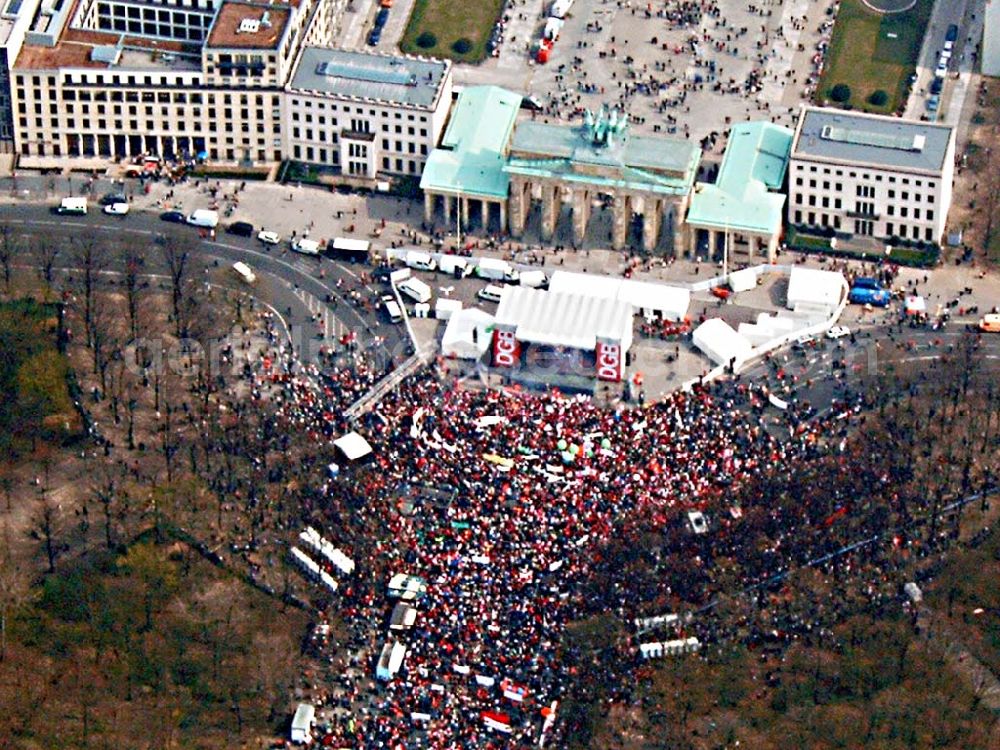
(455, 265)
(445, 307)
(305, 246)
(392, 308)
(416, 290)
(242, 270)
(72, 206)
(491, 293)
(496, 270)
(390, 660)
(420, 261)
(534, 279)
(204, 218)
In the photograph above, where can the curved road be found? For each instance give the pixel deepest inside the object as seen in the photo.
(297, 288)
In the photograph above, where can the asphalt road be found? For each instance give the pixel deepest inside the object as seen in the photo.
(292, 284)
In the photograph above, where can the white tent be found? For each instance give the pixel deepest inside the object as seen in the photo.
(559, 319)
(810, 289)
(352, 446)
(457, 340)
(743, 280)
(716, 338)
(670, 301)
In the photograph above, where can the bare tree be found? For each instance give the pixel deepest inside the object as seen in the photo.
(46, 252)
(87, 256)
(132, 262)
(47, 528)
(177, 252)
(13, 587)
(10, 245)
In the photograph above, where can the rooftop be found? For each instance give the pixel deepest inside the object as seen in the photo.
(571, 153)
(242, 25)
(871, 140)
(471, 157)
(409, 81)
(560, 319)
(75, 48)
(753, 166)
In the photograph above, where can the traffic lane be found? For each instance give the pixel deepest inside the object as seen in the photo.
(300, 272)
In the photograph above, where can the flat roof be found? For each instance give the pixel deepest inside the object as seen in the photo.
(242, 25)
(411, 81)
(569, 142)
(470, 159)
(741, 199)
(560, 319)
(875, 141)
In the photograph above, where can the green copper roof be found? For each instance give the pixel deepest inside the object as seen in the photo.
(470, 159)
(660, 165)
(754, 164)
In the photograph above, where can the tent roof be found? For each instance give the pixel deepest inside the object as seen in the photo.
(353, 446)
(457, 337)
(562, 319)
(815, 287)
(649, 295)
(720, 342)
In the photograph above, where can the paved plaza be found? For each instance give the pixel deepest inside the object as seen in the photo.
(688, 68)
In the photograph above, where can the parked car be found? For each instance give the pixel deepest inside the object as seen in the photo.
(110, 198)
(117, 209)
(838, 332)
(174, 217)
(869, 292)
(269, 238)
(374, 37)
(381, 17)
(240, 229)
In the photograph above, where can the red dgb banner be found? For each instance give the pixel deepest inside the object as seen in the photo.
(609, 361)
(506, 349)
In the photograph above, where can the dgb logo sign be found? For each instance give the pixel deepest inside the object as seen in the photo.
(609, 361)
(505, 348)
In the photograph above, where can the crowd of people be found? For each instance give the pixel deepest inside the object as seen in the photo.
(514, 506)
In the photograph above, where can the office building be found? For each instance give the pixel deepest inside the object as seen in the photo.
(873, 176)
(365, 113)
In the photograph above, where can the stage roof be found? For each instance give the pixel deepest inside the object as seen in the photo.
(558, 319)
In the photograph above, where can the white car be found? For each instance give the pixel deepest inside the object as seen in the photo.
(838, 332)
(117, 209)
(269, 238)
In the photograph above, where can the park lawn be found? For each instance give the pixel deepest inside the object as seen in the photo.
(450, 21)
(866, 58)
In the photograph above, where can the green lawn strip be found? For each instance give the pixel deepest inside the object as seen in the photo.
(864, 56)
(449, 22)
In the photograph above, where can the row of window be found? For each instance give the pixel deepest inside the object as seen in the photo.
(320, 156)
(864, 176)
(323, 106)
(864, 227)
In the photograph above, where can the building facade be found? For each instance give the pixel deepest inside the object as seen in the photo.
(104, 79)
(861, 175)
(365, 114)
(991, 39)
(15, 18)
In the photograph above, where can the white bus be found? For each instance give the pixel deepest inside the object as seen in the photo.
(242, 270)
(72, 206)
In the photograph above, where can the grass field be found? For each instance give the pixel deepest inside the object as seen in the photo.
(871, 52)
(450, 21)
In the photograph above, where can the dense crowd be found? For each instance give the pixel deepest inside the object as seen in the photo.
(518, 503)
